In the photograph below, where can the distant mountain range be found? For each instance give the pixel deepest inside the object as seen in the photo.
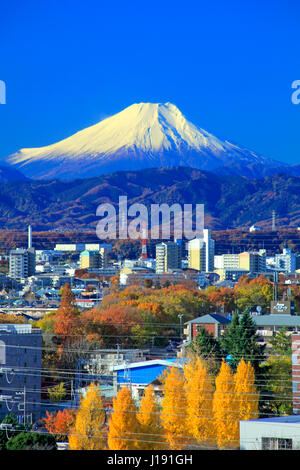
(8, 173)
(230, 201)
(142, 136)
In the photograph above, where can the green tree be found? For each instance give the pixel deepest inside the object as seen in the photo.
(31, 441)
(276, 390)
(241, 341)
(205, 345)
(281, 343)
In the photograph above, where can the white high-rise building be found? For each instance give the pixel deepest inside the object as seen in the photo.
(21, 263)
(286, 261)
(168, 257)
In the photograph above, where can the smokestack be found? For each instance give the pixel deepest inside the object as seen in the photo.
(29, 236)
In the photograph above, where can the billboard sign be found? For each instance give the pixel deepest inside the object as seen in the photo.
(281, 306)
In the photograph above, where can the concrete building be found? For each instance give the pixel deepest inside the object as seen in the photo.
(90, 259)
(286, 261)
(21, 263)
(231, 274)
(254, 228)
(201, 252)
(196, 254)
(253, 261)
(20, 371)
(78, 247)
(276, 433)
(226, 261)
(168, 257)
(98, 366)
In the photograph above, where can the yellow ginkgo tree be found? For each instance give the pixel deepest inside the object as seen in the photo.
(88, 433)
(224, 408)
(174, 409)
(245, 395)
(149, 419)
(124, 428)
(199, 387)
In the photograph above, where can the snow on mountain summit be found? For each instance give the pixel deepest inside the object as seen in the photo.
(144, 135)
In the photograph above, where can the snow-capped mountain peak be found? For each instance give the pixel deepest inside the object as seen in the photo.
(143, 135)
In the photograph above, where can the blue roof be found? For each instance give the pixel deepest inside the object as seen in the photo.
(144, 372)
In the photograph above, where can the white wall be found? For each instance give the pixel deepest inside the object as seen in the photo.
(252, 432)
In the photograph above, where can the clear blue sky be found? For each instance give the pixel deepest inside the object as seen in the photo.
(228, 65)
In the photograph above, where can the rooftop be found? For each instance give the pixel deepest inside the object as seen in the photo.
(210, 318)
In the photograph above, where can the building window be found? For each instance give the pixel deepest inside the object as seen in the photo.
(275, 443)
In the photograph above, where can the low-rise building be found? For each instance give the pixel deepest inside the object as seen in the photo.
(276, 433)
(140, 374)
(213, 323)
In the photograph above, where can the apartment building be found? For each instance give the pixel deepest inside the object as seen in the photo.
(21, 263)
(168, 257)
(20, 371)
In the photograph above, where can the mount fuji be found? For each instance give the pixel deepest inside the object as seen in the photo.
(144, 135)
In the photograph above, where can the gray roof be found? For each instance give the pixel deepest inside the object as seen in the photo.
(276, 320)
(210, 318)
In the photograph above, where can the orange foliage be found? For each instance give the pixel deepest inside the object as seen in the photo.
(60, 423)
(67, 318)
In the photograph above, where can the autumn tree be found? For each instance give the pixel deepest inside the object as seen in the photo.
(199, 389)
(224, 410)
(67, 319)
(60, 424)
(253, 292)
(149, 419)
(174, 409)
(88, 433)
(57, 393)
(221, 298)
(124, 428)
(246, 398)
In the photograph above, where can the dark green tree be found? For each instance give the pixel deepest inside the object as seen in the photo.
(32, 441)
(241, 341)
(205, 345)
(281, 343)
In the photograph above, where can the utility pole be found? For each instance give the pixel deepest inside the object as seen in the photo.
(180, 319)
(273, 220)
(24, 403)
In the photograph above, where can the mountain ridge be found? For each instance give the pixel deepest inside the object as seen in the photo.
(230, 201)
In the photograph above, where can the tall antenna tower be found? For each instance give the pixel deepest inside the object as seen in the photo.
(144, 242)
(273, 220)
(29, 236)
